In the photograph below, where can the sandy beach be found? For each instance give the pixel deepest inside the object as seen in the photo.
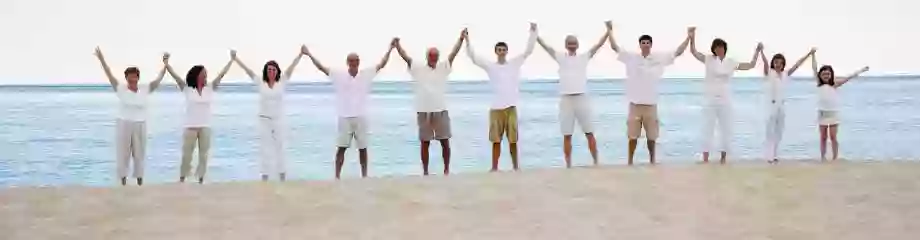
(744, 201)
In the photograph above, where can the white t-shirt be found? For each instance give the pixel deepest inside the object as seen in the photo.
(132, 106)
(504, 78)
(643, 75)
(573, 72)
(351, 93)
(198, 107)
(774, 85)
(271, 99)
(828, 99)
(430, 85)
(716, 84)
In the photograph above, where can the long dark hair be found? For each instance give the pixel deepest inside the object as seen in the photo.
(829, 69)
(191, 78)
(778, 56)
(265, 71)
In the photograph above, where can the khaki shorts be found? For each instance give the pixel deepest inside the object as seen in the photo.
(575, 108)
(642, 116)
(503, 121)
(352, 128)
(433, 126)
(827, 118)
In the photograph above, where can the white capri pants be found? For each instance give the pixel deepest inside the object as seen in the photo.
(130, 142)
(271, 145)
(717, 114)
(572, 108)
(776, 122)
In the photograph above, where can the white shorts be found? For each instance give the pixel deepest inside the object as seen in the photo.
(572, 108)
(352, 128)
(827, 118)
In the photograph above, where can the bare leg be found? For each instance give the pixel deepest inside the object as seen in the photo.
(632, 150)
(567, 150)
(124, 181)
(445, 153)
(339, 161)
(834, 145)
(705, 157)
(181, 179)
(140, 181)
(424, 152)
(724, 156)
(651, 151)
(823, 133)
(362, 154)
(496, 153)
(592, 146)
(514, 156)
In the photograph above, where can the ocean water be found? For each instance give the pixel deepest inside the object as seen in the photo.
(62, 135)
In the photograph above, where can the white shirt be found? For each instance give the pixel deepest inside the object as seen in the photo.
(827, 98)
(573, 72)
(775, 85)
(504, 78)
(271, 99)
(716, 84)
(198, 107)
(430, 85)
(643, 75)
(132, 106)
(351, 93)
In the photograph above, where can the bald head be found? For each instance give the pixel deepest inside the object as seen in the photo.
(571, 43)
(432, 56)
(352, 60)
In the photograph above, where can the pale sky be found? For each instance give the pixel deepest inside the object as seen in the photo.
(51, 41)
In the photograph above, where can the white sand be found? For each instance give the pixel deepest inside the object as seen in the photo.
(789, 201)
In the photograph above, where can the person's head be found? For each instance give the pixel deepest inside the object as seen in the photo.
(571, 43)
(271, 72)
(645, 43)
(353, 61)
(132, 74)
(197, 77)
(778, 62)
(501, 49)
(826, 75)
(719, 47)
(432, 56)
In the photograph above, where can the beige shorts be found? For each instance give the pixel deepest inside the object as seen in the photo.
(433, 126)
(574, 108)
(828, 118)
(352, 128)
(503, 122)
(642, 116)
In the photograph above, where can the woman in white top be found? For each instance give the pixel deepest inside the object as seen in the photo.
(776, 76)
(271, 85)
(131, 127)
(198, 97)
(828, 103)
(717, 107)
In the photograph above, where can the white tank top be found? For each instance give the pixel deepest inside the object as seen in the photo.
(271, 98)
(775, 86)
(827, 98)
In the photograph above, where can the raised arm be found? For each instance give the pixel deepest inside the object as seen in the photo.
(613, 42)
(402, 52)
(600, 43)
(456, 49)
(814, 65)
(172, 73)
(156, 81)
(252, 75)
(696, 54)
(799, 62)
(290, 68)
(472, 53)
(753, 62)
(683, 46)
(105, 67)
(319, 66)
(853, 75)
(766, 65)
(223, 72)
(386, 56)
(546, 47)
(531, 42)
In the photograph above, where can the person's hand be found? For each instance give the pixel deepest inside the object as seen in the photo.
(97, 52)
(304, 50)
(463, 33)
(165, 58)
(609, 25)
(395, 42)
(691, 31)
(759, 46)
(232, 54)
(812, 52)
(533, 27)
(865, 69)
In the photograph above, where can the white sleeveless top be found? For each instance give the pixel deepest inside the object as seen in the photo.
(198, 107)
(132, 105)
(775, 86)
(827, 98)
(271, 98)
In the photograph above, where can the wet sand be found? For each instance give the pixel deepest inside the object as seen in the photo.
(744, 201)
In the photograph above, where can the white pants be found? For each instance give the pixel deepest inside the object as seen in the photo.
(130, 142)
(572, 108)
(717, 114)
(271, 145)
(776, 121)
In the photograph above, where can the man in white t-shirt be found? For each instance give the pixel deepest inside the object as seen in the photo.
(505, 77)
(643, 74)
(574, 105)
(352, 89)
(430, 104)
